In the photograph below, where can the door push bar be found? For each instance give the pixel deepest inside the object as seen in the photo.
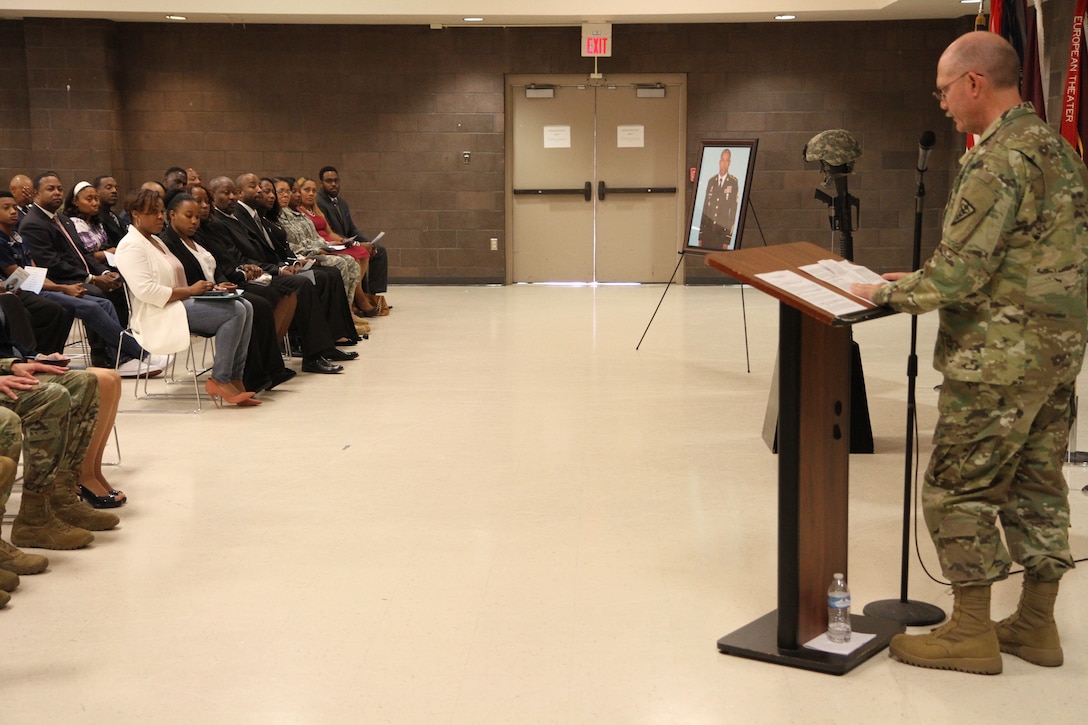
(586, 191)
(603, 190)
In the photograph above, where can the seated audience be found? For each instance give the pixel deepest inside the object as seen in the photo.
(267, 244)
(50, 322)
(329, 279)
(165, 309)
(264, 364)
(304, 241)
(52, 241)
(226, 238)
(334, 242)
(51, 330)
(244, 276)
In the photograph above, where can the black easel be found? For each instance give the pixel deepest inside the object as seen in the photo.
(743, 309)
(905, 611)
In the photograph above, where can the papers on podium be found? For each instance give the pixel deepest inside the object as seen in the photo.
(839, 273)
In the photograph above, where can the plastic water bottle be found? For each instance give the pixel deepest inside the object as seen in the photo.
(838, 610)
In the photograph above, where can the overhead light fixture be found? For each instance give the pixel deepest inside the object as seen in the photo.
(785, 17)
(176, 17)
(473, 20)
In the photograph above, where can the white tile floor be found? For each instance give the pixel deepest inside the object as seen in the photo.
(503, 513)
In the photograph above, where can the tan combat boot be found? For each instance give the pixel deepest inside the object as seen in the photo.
(37, 527)
(73, 510)
(20, 562)
(966, 642)
(8, 581)
(4, 599)
(11, 559)
(1031, 632)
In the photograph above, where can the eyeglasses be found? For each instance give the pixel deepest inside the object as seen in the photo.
(941, 94)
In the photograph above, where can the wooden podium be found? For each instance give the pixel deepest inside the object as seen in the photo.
(813, 467)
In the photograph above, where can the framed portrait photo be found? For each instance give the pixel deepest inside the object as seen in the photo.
(720, 202)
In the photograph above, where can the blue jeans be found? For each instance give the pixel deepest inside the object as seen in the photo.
(230, 322)
(100, 317)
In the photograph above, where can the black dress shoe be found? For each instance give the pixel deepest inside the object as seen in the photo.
(110, 501)
(319, 364)
(258, 387)
(280, 377)
(335, 354)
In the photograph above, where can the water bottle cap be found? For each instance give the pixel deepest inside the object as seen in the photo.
(837, 576)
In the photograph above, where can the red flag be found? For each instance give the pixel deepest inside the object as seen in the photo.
(996, 15)
(1072, 118)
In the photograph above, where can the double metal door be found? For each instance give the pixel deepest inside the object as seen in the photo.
(595, 178)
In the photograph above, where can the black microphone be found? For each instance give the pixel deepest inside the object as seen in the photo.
(925, 145)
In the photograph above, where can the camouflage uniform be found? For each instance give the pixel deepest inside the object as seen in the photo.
(57, 419)
(10, 447)
(1009, 278)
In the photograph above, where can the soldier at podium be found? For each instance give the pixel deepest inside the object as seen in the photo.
(1009, 278)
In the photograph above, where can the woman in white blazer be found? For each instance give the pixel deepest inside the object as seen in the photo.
(165, 309)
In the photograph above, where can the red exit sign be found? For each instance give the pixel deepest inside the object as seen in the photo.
(597, 47)
(597, 40)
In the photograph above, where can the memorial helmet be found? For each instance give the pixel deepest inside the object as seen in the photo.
(834, 147)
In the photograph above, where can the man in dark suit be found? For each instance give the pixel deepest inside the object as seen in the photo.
(52, 239)
(53, 243)
(228, 241)
(116, 225)
(338, 215)
(267, 245)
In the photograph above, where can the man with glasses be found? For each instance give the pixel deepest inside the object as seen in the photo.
(338, 215)
(1009, 278)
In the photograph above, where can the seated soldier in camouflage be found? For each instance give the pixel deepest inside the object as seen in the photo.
(8, 421)
(57, 415)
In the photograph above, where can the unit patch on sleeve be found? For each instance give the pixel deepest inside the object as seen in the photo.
(966, 210)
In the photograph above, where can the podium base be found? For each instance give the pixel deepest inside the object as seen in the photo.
(909, 613)
(758, 640)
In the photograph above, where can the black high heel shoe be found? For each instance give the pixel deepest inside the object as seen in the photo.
(102, 502)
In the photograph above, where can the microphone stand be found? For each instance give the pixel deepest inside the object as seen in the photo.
(905, 611)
